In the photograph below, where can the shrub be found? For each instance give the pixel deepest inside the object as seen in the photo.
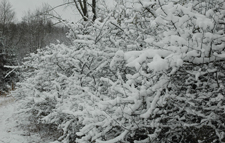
(149, 71)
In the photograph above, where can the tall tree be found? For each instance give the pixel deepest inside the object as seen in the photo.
(7, 14)
(37, 22)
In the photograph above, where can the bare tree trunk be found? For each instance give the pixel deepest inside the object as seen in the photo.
(78, 8)
(83, 9)
(94, 10)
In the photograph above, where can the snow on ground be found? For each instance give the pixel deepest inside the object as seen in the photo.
(9, 131)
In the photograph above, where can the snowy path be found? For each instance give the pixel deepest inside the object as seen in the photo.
(8, 131)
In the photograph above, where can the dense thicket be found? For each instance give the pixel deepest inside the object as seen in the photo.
(145, 71)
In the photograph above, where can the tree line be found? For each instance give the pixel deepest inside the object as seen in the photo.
(18, 39)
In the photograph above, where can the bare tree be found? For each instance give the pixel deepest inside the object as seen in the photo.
(7, 14)
(82, 7)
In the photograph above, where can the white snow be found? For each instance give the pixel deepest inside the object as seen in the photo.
(9, 131)
(219, 55)
(153, 106)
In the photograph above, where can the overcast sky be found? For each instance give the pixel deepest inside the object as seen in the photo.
(22, 6)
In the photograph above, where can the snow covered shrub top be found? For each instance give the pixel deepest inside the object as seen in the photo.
(147, 71)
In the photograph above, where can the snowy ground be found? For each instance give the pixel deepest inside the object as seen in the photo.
(9, 133)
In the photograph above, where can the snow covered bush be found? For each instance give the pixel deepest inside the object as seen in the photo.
(147, 71)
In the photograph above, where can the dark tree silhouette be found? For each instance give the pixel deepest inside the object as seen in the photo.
(82, 7)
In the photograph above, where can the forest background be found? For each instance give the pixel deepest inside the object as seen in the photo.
(37, 29)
